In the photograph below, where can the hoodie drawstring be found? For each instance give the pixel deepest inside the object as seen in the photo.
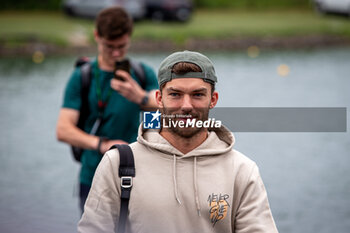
(194, 183)
(175, 183)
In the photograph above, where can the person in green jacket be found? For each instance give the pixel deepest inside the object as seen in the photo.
(118, 102)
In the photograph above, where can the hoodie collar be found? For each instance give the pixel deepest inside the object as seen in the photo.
(219, 140)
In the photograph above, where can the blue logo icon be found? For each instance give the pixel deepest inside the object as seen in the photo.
(151, 120)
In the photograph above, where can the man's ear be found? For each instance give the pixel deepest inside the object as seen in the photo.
(96, 36)
(159, 98)
(214, 99)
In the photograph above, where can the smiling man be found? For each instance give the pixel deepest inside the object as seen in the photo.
(114, 103)
(188, 179)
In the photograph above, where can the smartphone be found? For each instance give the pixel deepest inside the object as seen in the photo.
(122, 65)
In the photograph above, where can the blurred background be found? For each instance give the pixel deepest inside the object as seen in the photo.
(267, 53)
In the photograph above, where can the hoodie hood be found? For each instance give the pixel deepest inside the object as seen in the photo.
(219, 141)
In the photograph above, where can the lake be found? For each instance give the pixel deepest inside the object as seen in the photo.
(306, 174)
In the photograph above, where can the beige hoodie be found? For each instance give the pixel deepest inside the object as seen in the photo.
(210, 189)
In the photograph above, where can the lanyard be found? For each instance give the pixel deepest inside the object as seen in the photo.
(101, 104)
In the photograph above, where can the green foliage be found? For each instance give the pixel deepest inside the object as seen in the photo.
(30, 5)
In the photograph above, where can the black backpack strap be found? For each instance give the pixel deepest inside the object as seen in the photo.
(140, 72)
(85, 70)
(126, 174)
(81, 61)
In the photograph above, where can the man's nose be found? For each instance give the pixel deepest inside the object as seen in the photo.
(116, 53)
(187, 103)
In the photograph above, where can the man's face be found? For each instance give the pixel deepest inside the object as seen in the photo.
(186, 99)
(112, 50)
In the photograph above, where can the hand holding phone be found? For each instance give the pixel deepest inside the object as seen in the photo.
(121, 65)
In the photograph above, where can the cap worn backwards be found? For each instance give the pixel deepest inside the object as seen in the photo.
(165, 73)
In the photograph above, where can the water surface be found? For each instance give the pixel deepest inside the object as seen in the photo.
(306, 174)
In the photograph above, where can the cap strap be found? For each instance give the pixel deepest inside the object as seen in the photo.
(189, 75)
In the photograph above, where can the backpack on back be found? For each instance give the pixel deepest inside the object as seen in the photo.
(126, 173)
(86, 75)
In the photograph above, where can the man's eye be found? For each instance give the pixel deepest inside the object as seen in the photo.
(198, 94)
(174, 94)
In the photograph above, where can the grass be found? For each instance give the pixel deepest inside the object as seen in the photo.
(230, 23)
(47, 27)
(22, 27)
